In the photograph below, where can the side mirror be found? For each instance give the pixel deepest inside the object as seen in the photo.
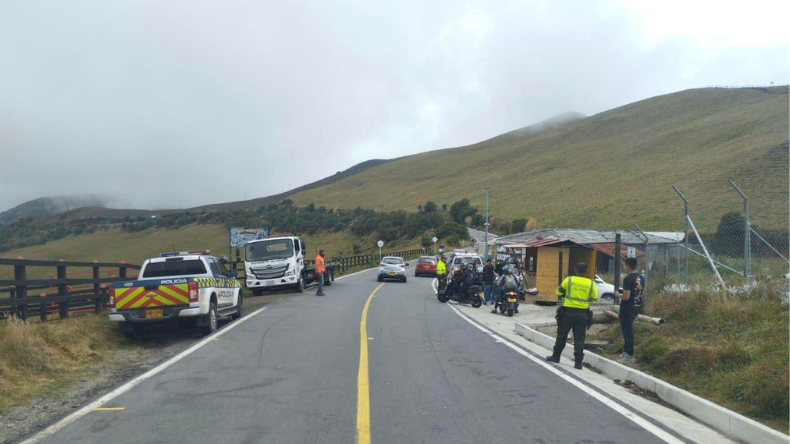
(234, 273)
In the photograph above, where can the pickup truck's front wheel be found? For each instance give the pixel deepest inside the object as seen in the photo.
(211, 320)
(300, 284)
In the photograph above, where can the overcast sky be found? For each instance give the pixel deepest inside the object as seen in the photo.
(163, 104)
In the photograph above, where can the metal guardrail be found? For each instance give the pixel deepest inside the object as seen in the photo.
(344, 263)
(59, 293)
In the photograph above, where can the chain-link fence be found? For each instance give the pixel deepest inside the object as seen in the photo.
(730, 242)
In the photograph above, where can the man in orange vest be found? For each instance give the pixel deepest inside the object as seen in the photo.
(320, 271)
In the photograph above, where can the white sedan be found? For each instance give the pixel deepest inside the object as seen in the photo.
(605, 291)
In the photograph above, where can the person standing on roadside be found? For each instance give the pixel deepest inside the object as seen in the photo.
(488, 282)
(441, 274)
(577, 292)
(630, 301)
(320, 271)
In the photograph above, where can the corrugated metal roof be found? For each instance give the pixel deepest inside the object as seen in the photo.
(585, 237)
(608, 249)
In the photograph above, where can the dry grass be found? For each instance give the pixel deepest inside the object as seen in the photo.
(730, 349)
(41, 358)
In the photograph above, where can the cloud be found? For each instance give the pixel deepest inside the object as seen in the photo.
(175, 104)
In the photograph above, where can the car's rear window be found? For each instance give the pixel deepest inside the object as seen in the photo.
(174, 268)
(392, 260)
(427, 260)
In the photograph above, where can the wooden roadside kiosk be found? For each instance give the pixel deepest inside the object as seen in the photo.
(548, 261)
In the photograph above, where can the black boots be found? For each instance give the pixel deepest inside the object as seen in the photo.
(554, 359)
(578, 365)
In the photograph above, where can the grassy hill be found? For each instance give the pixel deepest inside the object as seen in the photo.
(115, 245)
(605, 171)
(49, 205)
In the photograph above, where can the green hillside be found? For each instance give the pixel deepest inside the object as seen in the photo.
(605, 171)
(114, 245)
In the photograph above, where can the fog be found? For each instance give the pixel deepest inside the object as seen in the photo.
(165, 104)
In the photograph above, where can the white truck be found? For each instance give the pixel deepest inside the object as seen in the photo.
(279, 262)
(188, 286)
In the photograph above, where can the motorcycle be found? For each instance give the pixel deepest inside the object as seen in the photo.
(474, 294)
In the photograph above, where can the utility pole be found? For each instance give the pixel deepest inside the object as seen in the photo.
(747, 233)
(486, 225)
(685, 232)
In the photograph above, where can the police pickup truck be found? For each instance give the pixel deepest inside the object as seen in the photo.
(190, 286)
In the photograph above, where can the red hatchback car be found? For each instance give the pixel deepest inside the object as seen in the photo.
(426, 265)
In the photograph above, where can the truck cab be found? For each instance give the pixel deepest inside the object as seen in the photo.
(279, 262)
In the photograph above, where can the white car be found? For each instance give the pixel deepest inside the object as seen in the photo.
(605, 291)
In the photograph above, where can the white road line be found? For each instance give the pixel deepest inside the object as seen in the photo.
(54, 428)
(650, 427)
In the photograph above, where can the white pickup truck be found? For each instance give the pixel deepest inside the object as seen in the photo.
(278, 262)
(188, 286)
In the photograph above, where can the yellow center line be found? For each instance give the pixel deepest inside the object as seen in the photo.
(363, 383)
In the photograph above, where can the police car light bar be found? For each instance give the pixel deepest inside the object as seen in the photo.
(184, 253)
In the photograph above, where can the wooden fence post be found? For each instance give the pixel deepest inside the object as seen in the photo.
(20, 274)
(43, 307)
(63, 306)
(97, 301)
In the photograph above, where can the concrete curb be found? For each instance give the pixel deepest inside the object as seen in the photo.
(726, 421)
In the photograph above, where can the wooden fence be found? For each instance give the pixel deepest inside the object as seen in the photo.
(60, 294)
(85, 290)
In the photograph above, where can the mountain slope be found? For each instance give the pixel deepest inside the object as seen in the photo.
(49, 205)
(605, 171)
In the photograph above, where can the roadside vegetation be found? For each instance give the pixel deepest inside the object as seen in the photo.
(42, 358)
(732, 349)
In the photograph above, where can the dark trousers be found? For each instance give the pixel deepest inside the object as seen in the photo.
(627, 316)
(462, 291)
(575, 319)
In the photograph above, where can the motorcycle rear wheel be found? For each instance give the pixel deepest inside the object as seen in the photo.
(442, 296)
(509, 312)
(476, 302)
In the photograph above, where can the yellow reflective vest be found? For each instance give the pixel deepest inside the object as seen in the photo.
(582, 291)
(441, 268)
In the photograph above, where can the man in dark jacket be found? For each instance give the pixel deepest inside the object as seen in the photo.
(466, 282)
(488, 281)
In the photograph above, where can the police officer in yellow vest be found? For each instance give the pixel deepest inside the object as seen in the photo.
(574, 313)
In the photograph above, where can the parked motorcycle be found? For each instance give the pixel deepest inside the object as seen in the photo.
(474, 294)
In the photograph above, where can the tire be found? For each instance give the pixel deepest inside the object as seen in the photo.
(404, 279)
(328, 278)
(379, 279)
(239, 308)
(416, 274)
(136, 333)
(502, 308)
(476, 302)
(509, 312)
(211, 320)
(300, 284)
(442, 296)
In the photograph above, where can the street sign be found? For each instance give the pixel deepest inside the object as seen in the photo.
(631, 252)
(435, 239)
(380, 244)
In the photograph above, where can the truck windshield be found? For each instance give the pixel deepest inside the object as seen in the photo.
(270, 249)
(174, 268)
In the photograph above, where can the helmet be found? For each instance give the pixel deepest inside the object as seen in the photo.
(506, 269)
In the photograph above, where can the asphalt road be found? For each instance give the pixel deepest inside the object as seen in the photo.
(290, 374)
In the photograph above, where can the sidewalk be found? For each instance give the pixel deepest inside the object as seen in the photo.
(534, 315)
